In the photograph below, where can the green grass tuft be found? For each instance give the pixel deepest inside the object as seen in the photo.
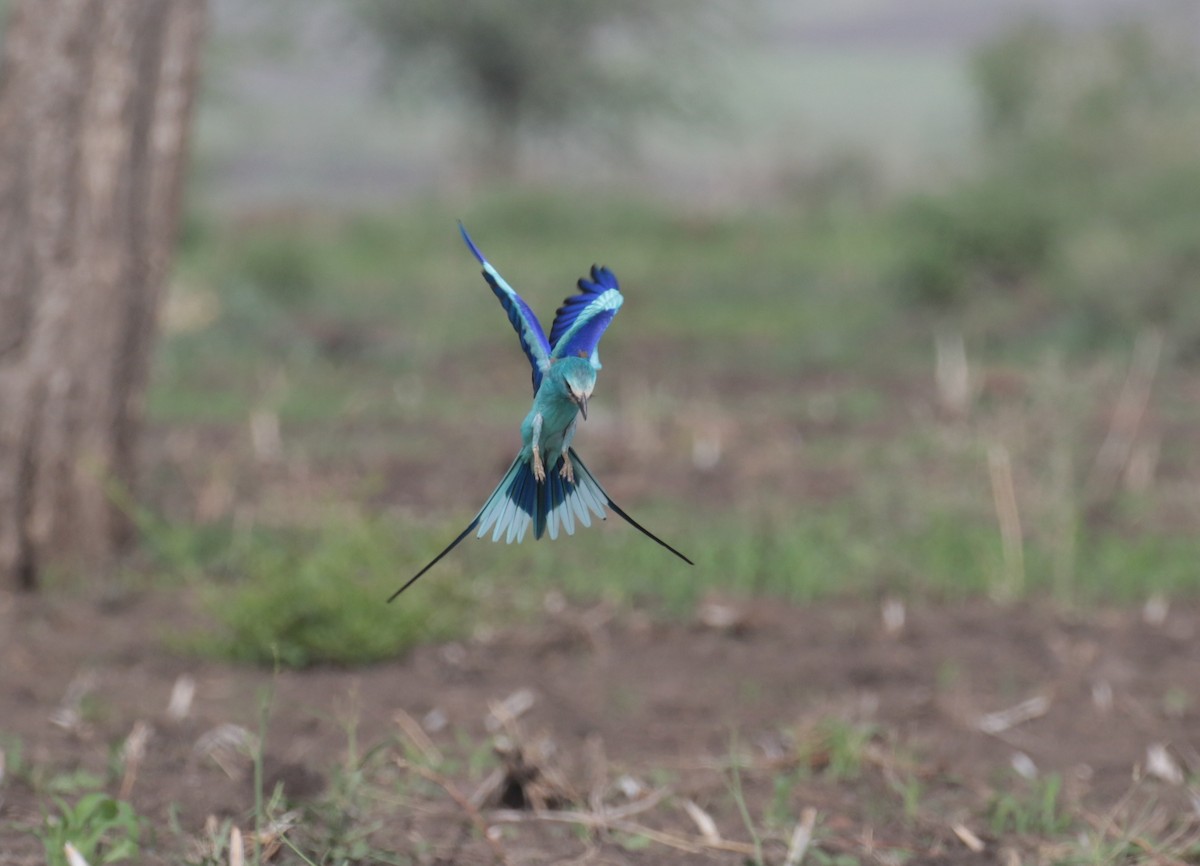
(319, 598)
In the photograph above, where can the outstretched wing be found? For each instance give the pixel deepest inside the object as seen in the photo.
(524, 322)
(582, 318)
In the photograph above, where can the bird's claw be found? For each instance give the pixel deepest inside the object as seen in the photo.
(539, 471)
(567, 471)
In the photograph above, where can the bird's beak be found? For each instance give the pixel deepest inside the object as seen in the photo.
(583, 406)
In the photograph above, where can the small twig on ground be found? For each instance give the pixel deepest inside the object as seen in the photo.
(472, 813)
(692, 845)
(596, 763)
(488, 786)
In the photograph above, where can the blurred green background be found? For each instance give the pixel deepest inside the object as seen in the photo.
(912, 307)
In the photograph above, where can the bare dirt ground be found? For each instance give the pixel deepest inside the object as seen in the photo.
(629, 730)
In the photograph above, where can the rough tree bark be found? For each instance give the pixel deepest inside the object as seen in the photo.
(95, 103)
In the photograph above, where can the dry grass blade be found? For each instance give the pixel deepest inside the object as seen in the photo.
(964, 834)
(69, 713)
(488, 787)
(596, 771)
(237, 848)
(1162, 765)
(1132, 403)
(230, 747)
(132, 754)
(610, 821)
(593, 819)
(1001, 720)
(182, 694)
(1005, 499)
(703, 821)
(271, 837)
(74, 858)
(417, 736)
(265, 435)
(1107, 827)
(952, 373)
(502, 714)
(801, 838)
(893, 615)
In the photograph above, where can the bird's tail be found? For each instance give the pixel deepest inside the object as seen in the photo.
(520, 501)
(555, 504)
(586, 481)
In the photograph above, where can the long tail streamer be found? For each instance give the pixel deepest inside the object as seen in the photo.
(556, 503)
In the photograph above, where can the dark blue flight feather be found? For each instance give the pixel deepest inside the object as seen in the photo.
(524, 322)
(602, 280)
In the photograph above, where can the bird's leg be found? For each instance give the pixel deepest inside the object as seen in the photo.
(539, 470)
(568, 471)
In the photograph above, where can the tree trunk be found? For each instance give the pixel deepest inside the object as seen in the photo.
(95, 102)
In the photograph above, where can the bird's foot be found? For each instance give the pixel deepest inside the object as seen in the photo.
(539, 471)
(567, 471)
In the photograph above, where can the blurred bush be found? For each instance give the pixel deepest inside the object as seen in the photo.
(1084, 197)
(280, 264)
(985, 235)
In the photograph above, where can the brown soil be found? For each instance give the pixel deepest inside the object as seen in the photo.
(623, 699)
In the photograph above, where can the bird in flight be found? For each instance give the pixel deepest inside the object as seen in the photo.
(548, 486)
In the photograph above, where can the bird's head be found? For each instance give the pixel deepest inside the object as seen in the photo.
(579, 378)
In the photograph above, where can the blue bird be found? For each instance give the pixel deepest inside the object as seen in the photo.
(564, 375)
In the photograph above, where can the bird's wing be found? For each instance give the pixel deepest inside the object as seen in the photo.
(582, 318)
(524, 322)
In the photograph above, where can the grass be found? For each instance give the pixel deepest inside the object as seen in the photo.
(772, 346)
(319, 599)
(100, 828)
(1036, 810)
(399, 781)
